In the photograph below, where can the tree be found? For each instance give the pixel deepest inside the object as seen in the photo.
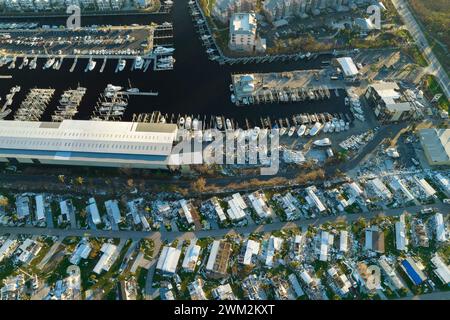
(79, 180)
(4, 201)
(199, 185)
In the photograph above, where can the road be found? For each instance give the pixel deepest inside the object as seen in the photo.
(438, 295)
(413, 27)
(216, 233)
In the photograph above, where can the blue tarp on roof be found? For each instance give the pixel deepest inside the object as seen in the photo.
(415, 277)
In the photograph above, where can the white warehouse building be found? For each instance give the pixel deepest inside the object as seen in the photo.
(87, 143)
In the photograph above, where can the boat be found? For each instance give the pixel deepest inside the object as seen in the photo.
(168, 59)
(205, 37)
(315, 129)
(25, 61)
(228, 124)
(91, 65)
(301, 130)
(188, 123)
(282, 131)
(49, 63)
(165, 65)
(347, 102)
(209, 51)
(122, 64)
(181, 122)
(291, 131)
(163, 50)
(207, 137)
(219, 123)
(332, 127)
(138, 63)
(195, 124)
(133, 90)
(326, 142)
(56, 65)
(33, 64)
(326, 127)
(342, 124)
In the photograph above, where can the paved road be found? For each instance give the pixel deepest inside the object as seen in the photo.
(435, 67)
(439, 295)
(217, 233)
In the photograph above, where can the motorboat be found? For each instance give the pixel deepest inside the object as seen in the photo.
(138, 63)
(228, 124)
(219, 123)
(315, 129)
(122, 64)
(326, 127)
(168, 59)
(326, 142)
(209, 51)
(33, 64)
(163, 50)
(291, 131)
(188, 123)
(133, 90)
(49, 63)
(165, 65)
(301, 130)
(181, 122)
(25, 61)
(195, 124)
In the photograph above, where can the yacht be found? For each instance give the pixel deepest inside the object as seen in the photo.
(91, 65)
(122, 64)
(291, 131)
(56, 65)
(138, 63)
(326, 127)
(323, 142)
(165, 65)
(188, 123)
(315, 129)
(49, 63)
(181, 123)
(228, 124)
(195, 124)
(168, 59)
(301, 130)
(133, 90)
(33, 64)
(163, 50)
(219, 123)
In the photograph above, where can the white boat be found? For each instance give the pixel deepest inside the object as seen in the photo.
(342, 124)
(165, 65)
(209, 51)
(195, 124)
(25, 61)
(326, 142)
(133, 90)
(112, 88)
(282, 131)
(188, 123)
(291, 131)
(181, 122)
(332, 127)
(326, 127)
(228, 124)
(56, 65)
(122, 64)
(206, 37)
(301, 130)
(91, 65)
(163, 50)
(33, 64)
(315, 129)
(219, 123)
(347, 101)
(168, 59)
(49, 63)
(138, 63)
(208, 136)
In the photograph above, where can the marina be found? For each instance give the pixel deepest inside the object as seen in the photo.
(178, 90)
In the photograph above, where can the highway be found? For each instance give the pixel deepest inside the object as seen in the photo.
(214, 233)
(413, 27)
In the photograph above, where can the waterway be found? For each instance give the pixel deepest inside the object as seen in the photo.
(196, 86)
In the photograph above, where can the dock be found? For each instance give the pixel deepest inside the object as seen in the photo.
(103, 65)
(72, 68)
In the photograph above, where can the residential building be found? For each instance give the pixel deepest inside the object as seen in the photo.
(112, 208)
(380, 189)
(348, 68)
(427, 189)
(23, 207)
(223, 9)
(259, 203)
(237, 206)
(441, 234)
(243, 35)
(219, 256)
(314, 200)
(390, 273)
(413, 271)
(401, 241)
(168, 260)
(223, 292)
(191, 257)
(8, 247)
(295, 285)
(92, 209)
(441, 270)
(196, 290)
(374, 240)
(82, 251)
(273, 245)
(341, 284)
(251, 250)
(28, 250)
(109, 255)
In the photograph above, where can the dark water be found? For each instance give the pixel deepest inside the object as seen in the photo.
(196, 86)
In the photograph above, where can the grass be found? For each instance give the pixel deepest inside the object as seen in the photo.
(432, 87)
(416, 55)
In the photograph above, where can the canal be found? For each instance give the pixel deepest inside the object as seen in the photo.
(196, 86)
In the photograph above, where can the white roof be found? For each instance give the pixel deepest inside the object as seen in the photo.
(235, 212)
(343, 241)
(88, 136)
(40, 208)
(312, 195)
(400, 236)
(186, 211)
(7, 247)
(106, 260)
(426, 187)
(112, 207)
(397, 184)
(380, 188)
(219, 210)
(294, 282)
(440, 227)
(251, 249)
(442, 270)
(212, 255)
(243, 23)
(444, 181)
(260, 206)
(348, 66)
(191, 257)
(273, 245)
(93, 210)
(324, 243)
(168, 260)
